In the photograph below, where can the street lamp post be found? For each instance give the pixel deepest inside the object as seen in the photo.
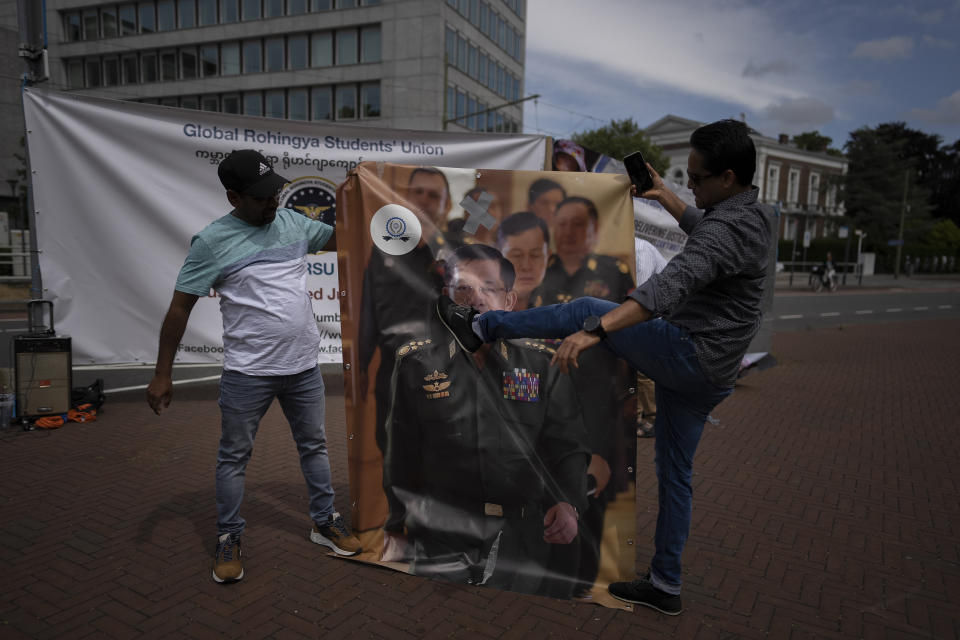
(860, 236)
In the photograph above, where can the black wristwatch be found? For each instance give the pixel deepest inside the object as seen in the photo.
(593, 325)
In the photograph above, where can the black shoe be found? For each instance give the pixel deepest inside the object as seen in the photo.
(640, 591)
(459, 320)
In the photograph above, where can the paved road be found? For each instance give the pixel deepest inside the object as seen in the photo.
(825, 507)
(801, 310)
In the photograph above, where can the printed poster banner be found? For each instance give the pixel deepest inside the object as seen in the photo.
(460, 462)
(121, 187)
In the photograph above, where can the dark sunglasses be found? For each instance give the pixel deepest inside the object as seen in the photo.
(697, 178)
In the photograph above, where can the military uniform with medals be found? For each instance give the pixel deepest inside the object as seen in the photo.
(477, 455)
(602, 384)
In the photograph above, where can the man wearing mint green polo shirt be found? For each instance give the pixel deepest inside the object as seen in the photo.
(255, 258)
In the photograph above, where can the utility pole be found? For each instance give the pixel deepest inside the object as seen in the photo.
(31, 21)
(903, 216)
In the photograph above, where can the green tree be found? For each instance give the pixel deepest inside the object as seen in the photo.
(882, 160)
(620, 138)
(812, 141)
(943, 237)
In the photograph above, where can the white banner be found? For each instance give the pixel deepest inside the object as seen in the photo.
(121, 187)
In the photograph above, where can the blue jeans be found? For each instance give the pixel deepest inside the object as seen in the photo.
(243, 401)
(665, 354)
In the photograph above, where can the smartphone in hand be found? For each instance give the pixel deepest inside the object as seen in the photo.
(637, 170)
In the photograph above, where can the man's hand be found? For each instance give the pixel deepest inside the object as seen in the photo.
(566, 356)
(159, 393)
(560, 524)
(396, 548)
(662, 194)
(600, 470)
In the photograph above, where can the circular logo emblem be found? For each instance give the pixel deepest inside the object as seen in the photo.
(395, 230)
(314, 197)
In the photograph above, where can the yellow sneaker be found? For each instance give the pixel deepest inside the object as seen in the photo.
(228, 563)
(335, 534)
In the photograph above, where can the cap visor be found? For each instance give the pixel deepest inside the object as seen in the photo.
(269, 186)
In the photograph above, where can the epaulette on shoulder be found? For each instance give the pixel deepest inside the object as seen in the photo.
(413, 345)
(534, 345)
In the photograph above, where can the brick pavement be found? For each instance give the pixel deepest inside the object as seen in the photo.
(825, 506)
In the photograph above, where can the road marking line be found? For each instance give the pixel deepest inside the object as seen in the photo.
(895, 310)
(829, 314)
(920, 308)
(945, 306)
(863, 312)
(790, 317)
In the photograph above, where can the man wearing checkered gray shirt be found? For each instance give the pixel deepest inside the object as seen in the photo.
(687, 328)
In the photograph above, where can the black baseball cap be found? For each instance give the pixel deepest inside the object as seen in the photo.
(248, 173)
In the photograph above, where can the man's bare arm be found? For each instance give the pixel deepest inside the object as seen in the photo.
(160, 389)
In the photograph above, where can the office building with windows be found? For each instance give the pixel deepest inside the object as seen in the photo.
(409, 64)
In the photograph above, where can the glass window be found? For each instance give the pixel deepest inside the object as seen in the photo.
(297, 104)
(148, 18)
(472, 62)
(75, 74)
(297, 52)
(187, 13)
(170, 102)
(471, 109)
(272, 8)
(90, 24)
(209, 60)
(346, 102)
(461, 53)
(148, 67)
(491, 121)
(346, 4)
(128, 19)
(483, 16)
(93, 72)
(347, 47)
(253, 104)
(229, 59)
(251, 10)
(230, 103)
(252, 57)
(108, 21)
(370, 100)
(451, 42)
(321, 103)
(207, 15)
(210, 103)
(275, 104)
(165, 15)
(463, 8)
(321, 49)
(370, 3)
(189, 102)
(296, 6)
(461, 106)
(370, 44)
(128, 70)
(71, 26)
(274, 54)
(451, 102)
(482, 67)
(168, 66)
(321, 5)
(188, 64)
(230, 12)
(111, 72)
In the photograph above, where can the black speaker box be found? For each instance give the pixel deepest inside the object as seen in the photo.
(43, 372)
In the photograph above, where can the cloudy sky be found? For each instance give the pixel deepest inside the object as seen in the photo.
(788, 65)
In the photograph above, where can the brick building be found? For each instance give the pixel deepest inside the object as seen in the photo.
(804, 183)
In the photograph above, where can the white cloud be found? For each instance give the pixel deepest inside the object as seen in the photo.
(946, 111)
(799, 113)
(697, 48)
(938, 43)
(888, 49)
(758, 70)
